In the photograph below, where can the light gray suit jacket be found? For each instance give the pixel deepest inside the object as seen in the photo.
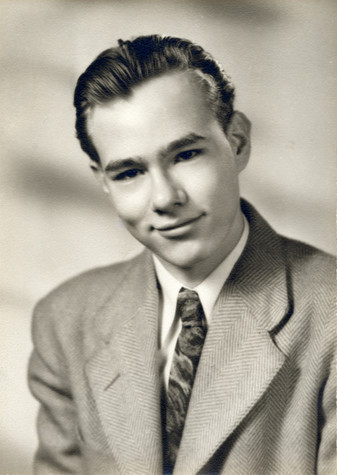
(263, 400)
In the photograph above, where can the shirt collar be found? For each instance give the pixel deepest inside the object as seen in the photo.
(210, 288)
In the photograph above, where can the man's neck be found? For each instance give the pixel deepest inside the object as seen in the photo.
(189, 277)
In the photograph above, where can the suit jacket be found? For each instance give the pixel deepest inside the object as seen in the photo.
(263, 400)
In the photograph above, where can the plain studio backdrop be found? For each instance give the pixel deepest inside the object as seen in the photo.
(56, 222)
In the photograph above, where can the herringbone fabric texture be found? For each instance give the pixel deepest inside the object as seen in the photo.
(184, 366)
(264, 399)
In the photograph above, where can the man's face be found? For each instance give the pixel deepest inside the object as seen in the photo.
(171, 172)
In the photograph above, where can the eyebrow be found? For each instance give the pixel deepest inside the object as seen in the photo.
(189, 139)
(117, 165)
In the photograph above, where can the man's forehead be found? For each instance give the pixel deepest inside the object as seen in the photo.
(158, 112)
(174, 86)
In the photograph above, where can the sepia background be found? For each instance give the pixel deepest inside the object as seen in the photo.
(56, 222)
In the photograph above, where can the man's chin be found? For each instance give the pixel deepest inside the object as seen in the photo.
(180, 254)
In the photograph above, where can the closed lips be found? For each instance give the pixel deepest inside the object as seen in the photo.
(177, 225)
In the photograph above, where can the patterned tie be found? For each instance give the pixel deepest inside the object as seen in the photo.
(184, 366)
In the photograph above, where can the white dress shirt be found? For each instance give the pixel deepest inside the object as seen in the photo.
(208, 292)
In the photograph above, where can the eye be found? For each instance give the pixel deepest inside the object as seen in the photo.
(128, 174)
(187, 155)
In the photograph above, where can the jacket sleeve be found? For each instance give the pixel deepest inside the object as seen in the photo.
(58, 451)
(326, 461)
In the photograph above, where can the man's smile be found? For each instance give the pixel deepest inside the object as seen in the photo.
(177, 227)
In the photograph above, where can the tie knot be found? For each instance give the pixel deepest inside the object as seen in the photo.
(190, 309)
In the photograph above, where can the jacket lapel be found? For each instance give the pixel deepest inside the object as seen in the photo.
(239, 358)
(123, 373)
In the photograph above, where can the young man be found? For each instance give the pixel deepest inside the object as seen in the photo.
(212, 351)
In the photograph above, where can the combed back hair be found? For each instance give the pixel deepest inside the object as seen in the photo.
(116, 71)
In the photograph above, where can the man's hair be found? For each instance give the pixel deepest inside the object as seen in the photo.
(116, 71)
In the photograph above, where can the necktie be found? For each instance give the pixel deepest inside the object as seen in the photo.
(184, 366)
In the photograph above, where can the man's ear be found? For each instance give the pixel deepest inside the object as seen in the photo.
(99, 175)
(238, 134)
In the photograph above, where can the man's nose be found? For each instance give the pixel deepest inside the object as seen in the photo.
(166, 193)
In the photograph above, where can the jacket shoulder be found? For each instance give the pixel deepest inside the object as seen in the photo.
(309, 264)
(69, 306)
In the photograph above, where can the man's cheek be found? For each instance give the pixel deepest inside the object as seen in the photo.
(133, 213)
